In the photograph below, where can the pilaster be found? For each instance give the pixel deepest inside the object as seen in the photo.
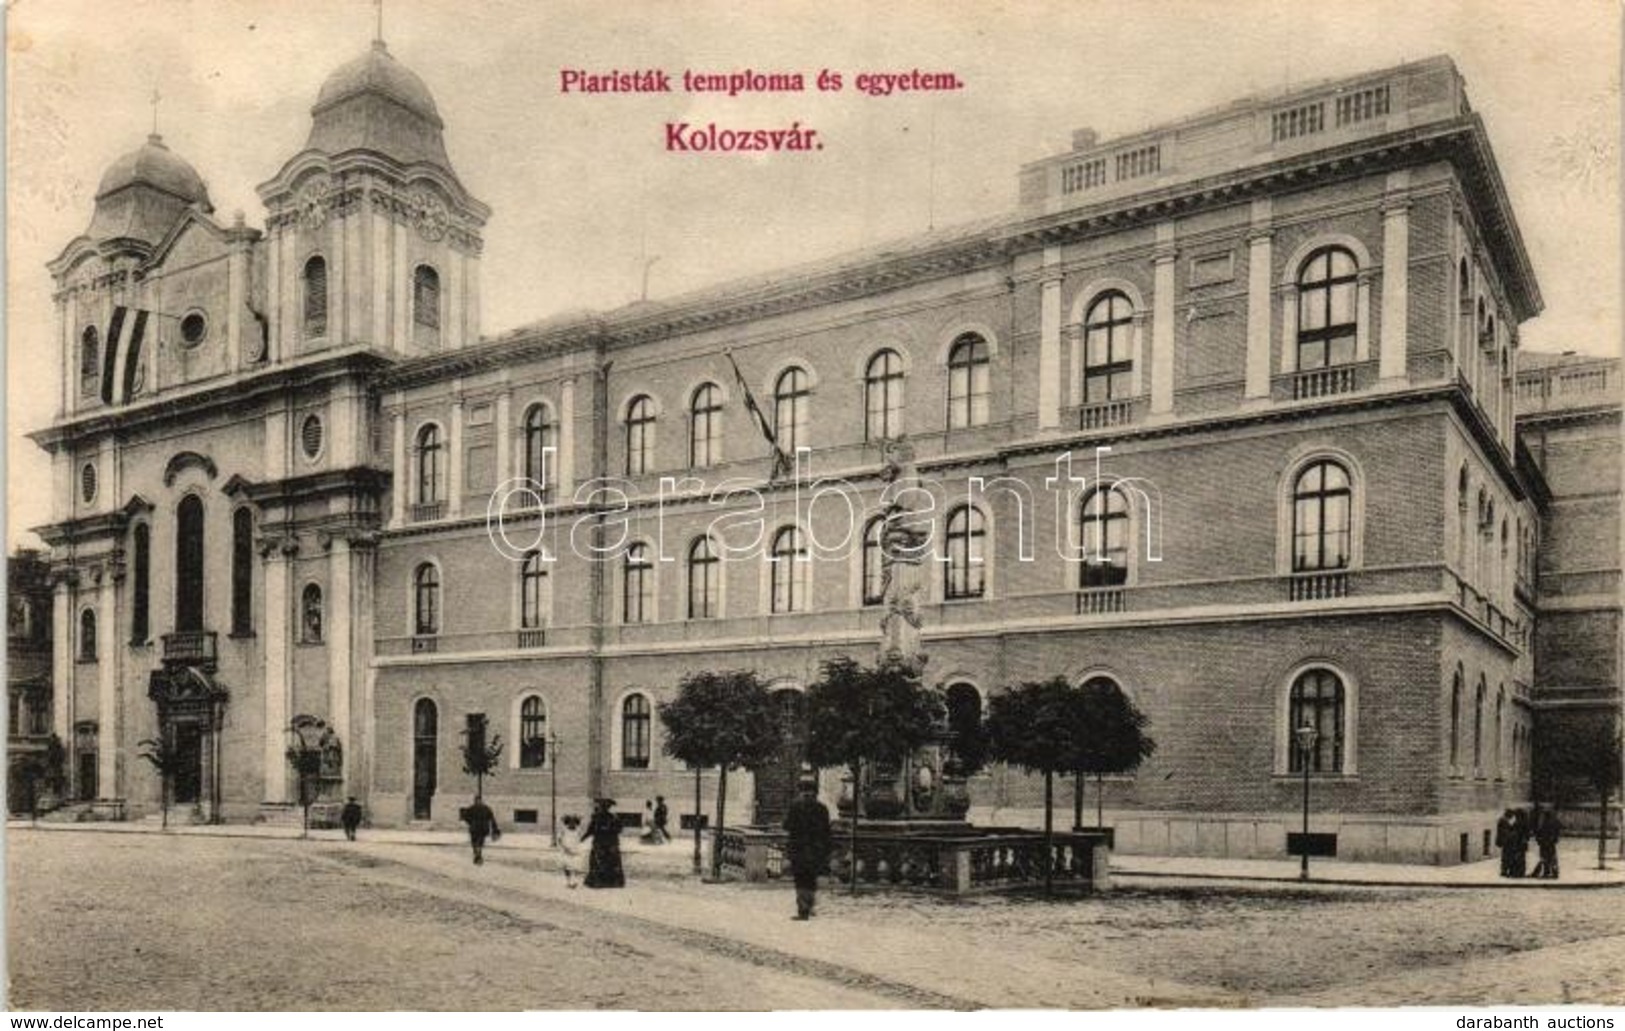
(1162, 321)
(1395, 286)
(1049, 341)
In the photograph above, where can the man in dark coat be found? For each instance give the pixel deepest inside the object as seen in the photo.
(1506, 839)
(1548, 829)
(808, 848)
(482, 824)
(662, 814)
(351, 817)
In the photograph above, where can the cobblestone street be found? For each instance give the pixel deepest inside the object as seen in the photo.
(131, 921)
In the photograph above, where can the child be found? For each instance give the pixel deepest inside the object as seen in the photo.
(570, 845)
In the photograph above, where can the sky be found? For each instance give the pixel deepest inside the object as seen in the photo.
(585, 195)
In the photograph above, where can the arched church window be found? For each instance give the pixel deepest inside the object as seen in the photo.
(90, 360)
(316, 297)
(426, 297)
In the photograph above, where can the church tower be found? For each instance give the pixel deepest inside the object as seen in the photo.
(372, 239)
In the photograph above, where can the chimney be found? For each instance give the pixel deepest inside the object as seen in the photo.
(1084, 139)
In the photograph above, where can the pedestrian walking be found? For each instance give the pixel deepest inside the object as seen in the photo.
(807, 823)
(662, 815)
(653, 832)
(482, 824)
(1506, 833)
(1548, 831)
(350, 817)
(604, 862)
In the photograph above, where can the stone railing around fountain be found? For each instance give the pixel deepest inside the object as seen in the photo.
(974, 862)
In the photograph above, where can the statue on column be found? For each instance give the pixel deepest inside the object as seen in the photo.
(903, 547)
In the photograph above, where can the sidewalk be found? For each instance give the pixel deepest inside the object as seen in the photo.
(1577, 858)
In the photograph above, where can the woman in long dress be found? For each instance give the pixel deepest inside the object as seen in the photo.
(604, 863)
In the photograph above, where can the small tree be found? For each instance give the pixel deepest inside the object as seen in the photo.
(480, 757)
(161, 754)
(1040, 727)
(859, 715)
(725, 720)
(1114, 738)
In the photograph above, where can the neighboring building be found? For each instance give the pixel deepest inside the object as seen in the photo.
(1294, 321)
(1569, 430)
(28, 679)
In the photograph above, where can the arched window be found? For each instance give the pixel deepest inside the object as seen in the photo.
(1108, 356)
(1316, 701)
(242, 572)
(87, 635)
(1478, 728)
(1327, 310)
(532, 733)
(705, 427)
(966, 573)
(1464, 283)
(426, 600)
(426, 297)
(532, 592)
(1103, 533)
(638, 587)
(310, 615)
(640, 435)
(538, 437)
(874, 566)
(704, 580)
(430, 472)
(90, 361)
(315, 281)
(1321, 505)
(1456, 688)
(1500, 716)
(788, 571)
(140, 583)
(883, 396)
(791, 397)
(425, 762)
(968, 388)
(635, 732)
(189, 564)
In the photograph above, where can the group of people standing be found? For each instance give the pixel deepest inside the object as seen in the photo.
(1512, 833)
(808, 844)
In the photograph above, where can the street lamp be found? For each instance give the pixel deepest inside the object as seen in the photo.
(1307, 735)
(553, 784)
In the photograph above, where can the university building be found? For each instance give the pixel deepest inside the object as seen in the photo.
(1292, 320)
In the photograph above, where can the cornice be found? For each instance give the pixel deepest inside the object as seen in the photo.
(227, 392)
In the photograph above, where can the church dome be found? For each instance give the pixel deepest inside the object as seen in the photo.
(155, 165)
(375, 103)
(377, 72)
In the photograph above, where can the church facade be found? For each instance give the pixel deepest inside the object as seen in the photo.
(1225, 412)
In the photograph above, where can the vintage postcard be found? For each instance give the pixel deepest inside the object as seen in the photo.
(821, 506)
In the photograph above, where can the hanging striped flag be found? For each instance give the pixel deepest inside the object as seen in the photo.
(122, 363)
(782, 463)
